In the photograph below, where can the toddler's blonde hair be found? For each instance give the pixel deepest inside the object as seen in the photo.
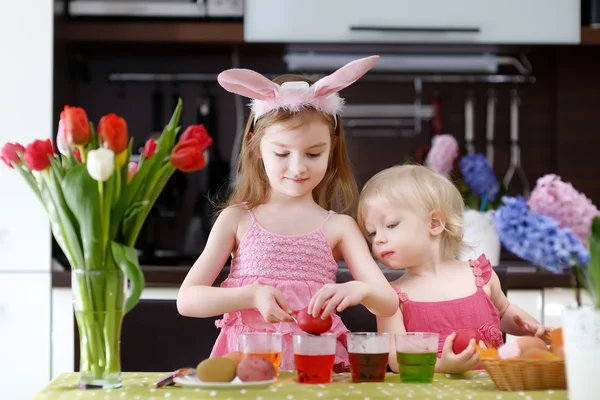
(422, 190)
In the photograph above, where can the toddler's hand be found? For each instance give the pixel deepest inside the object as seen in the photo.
(271, 304)
(451, 363)
(533, 329)
(337, 297)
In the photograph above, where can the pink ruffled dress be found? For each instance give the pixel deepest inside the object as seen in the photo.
(298, 266)
(444, 317)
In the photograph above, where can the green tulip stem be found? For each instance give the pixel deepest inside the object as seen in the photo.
(82, 153)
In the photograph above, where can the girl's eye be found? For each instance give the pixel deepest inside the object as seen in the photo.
(281, 154)
(393, 225)
(370, 234)
(314, 155)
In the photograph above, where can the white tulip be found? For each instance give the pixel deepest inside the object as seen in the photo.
(100, 164)
(61, 140)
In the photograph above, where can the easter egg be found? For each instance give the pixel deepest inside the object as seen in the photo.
(463, 338)
(217, 369)
(252, 369)
(310, 324)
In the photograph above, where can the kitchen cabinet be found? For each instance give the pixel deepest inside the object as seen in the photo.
(189, 32)
(24, 228)
(26, 40)
(406, 21)
(24, 334)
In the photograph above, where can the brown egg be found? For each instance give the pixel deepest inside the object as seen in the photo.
(235, 356)
(216, 369)
(516, 348)
(559, 352)
(531, 342)
(536, 354)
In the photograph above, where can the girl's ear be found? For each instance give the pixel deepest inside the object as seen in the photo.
(437, 223)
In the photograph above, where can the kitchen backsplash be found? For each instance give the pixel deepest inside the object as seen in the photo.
(559, 113)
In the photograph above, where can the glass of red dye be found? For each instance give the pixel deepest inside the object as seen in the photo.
(314, 357)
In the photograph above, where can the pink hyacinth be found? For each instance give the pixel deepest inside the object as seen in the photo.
(561, 201)
(444, 150)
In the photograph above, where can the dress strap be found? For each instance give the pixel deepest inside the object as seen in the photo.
(329, 214)
(251, 214)
(402, 296)
(482, 270)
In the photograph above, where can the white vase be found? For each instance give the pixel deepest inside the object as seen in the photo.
(581, 336)
(481, 237)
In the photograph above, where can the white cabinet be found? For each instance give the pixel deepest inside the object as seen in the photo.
(26, 104)
(531, 301)
(26, 43)
(24, 334)
(63, 332)
(408, 21)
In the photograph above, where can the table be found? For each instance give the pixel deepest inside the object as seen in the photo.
(475, 385)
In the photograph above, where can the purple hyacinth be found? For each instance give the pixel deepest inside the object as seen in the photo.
(537, 238)
(478, 175)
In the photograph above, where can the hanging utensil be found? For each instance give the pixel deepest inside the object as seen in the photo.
(515, 148)
(470, 122)
(490, 122)
(436, 127)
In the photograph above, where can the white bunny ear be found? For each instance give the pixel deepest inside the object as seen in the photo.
(344, 76)
(248, 83)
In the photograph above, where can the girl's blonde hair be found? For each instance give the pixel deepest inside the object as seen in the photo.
(337, 191)
(423, 190)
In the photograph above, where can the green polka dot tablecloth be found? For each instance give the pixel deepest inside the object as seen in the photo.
(140, 386)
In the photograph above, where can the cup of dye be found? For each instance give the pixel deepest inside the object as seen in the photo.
(416, 353)
(262, 344)
(314, 357)
(368, 353)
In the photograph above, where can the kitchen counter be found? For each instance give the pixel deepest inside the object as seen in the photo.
(520, 275)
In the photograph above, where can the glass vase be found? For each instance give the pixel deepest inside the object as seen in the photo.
(98, 302)
(581, 336)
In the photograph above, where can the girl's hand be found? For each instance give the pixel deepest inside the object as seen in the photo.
(451, 363)
(337, 297)
(271, 304)
(533, 329)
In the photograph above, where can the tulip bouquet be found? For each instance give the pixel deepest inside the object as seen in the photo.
(97, 201)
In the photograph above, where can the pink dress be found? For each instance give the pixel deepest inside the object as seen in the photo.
(444, 317)
(298, 266)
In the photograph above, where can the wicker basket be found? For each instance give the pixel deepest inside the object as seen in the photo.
(514, 375)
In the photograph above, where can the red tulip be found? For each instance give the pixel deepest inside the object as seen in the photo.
(113, 131)
(38, 153)
(199, 133)
(149, 148)
(9, 153)
(76, 126)
(188, 156)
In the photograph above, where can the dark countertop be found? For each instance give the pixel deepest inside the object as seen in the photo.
(520, 275)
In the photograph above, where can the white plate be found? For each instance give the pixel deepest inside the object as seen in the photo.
(193, 381)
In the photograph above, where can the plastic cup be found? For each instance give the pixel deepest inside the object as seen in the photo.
(416, 353)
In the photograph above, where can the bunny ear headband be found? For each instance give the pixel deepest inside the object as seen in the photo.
(294, 96)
